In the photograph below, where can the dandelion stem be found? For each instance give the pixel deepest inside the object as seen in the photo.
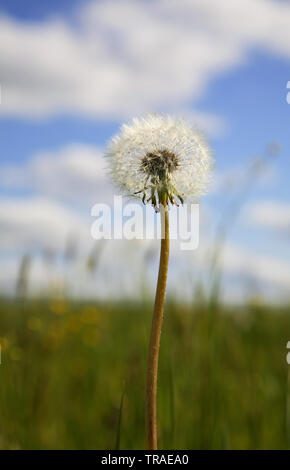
(152, 370)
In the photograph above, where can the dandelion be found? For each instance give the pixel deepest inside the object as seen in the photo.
(163, 161)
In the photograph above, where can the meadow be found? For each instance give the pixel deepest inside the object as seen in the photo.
(72, 375)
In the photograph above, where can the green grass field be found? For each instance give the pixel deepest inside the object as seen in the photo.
(222, 377)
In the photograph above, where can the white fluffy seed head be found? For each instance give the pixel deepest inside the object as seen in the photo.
(160, 158)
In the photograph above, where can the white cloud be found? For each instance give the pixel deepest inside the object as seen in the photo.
(75, 173)
(127, 57)
(38, 223)
(259, 268)
(208, 122)
(40, 279)
(34, 224)
(270, 214)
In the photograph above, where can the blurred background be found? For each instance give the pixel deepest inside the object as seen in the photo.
(75, 313)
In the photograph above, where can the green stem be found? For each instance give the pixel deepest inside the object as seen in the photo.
(152, 371)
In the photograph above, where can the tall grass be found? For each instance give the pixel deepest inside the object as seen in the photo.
(64, 365)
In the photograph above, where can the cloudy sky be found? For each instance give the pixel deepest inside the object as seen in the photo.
(72, 71)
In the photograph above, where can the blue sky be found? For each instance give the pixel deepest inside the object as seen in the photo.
(37, 11)
(232, 84)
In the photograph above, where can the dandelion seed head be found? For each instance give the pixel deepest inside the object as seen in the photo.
(160, 159)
